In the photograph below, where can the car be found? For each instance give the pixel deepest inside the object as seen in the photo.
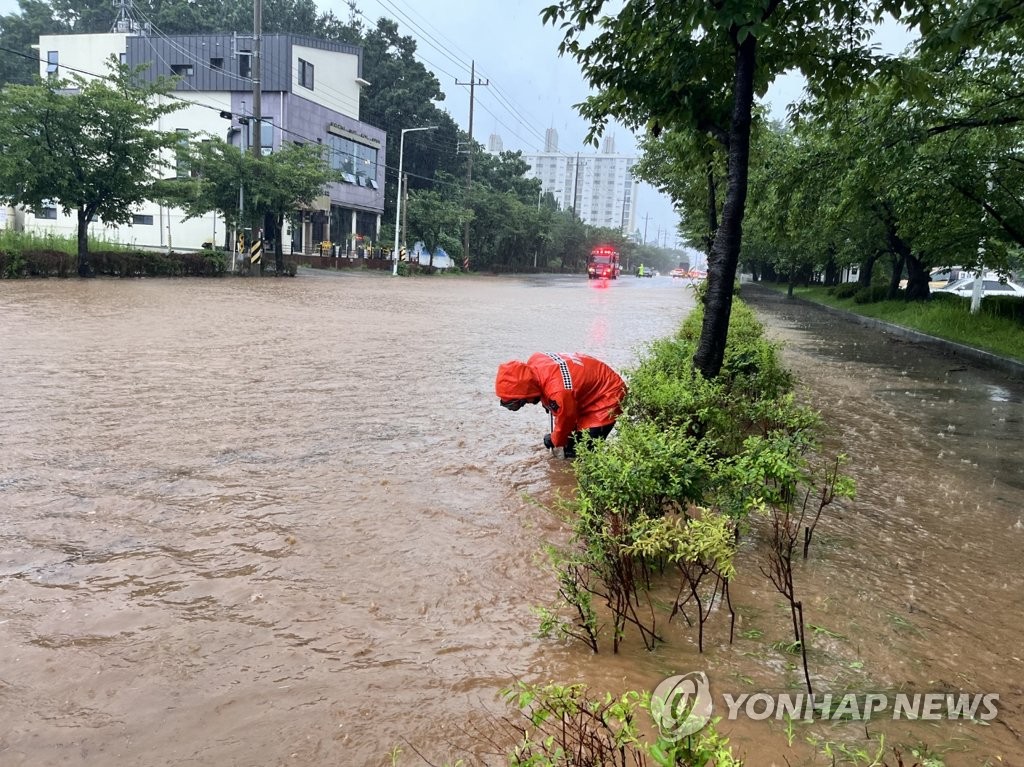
(679, 273)
(992, 286)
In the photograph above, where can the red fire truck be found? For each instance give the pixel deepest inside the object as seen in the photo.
(603, 263)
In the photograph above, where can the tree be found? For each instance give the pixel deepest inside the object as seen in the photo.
(690, 169)
(685, 66)
(401, 94)
(436, 220)
(85, 145)
(275, 185)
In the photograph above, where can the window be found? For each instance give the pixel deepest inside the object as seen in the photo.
(351, 157)
(305, 74)
(217, 63)
(51, 62)
(47, 212)
(142, 220)
(182, 70)
(266, 136)
(244, 65)
(183, 167)
(123, 58)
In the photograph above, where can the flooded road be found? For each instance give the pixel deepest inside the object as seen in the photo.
(285, 522)
(276, 522)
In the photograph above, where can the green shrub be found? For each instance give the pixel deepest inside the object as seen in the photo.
(871, 295)
(114, 263)
(846, 290)
(1011, 307)
(690, 460)
(947, 298)
(11, 265)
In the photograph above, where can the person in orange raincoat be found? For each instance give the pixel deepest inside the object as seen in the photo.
(581, 393)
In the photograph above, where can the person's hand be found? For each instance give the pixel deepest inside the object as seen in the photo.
(548, 443)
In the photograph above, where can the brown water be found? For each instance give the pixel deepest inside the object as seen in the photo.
(285, 522)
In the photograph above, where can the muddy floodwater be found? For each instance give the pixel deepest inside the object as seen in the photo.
(285, 522)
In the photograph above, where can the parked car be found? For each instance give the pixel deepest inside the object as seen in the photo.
(993, 286)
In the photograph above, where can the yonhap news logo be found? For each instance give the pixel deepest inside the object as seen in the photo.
(682, 705)
(861, 707)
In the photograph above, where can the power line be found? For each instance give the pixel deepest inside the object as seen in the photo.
(504, 102)
(416, 54)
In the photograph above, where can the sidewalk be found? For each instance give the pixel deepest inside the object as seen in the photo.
(757, 294)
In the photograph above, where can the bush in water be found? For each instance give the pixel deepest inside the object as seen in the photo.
(693, 465)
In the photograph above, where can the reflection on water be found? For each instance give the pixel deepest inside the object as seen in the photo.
(259, 522)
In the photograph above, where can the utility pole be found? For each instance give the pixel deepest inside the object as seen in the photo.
(469, 164)
(257, 132)
(257, 116)
(646, 216)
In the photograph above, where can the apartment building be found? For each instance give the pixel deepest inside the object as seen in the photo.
(599, 187)
(310, 91)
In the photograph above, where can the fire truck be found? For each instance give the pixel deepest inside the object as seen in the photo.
(603, 263)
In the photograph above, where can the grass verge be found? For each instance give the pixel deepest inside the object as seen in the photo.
(947, 319)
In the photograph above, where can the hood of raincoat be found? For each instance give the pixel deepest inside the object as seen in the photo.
(516, 381)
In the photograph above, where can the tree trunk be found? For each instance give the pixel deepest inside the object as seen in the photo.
(831, 270)
(867, 268)
(712, 207)
(917, 279)
(901, 254)
(84, 214)
(898, 259)
(725, 251)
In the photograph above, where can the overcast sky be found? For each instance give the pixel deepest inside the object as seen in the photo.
(530, 87)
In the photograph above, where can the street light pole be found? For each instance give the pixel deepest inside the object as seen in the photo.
(398, 197)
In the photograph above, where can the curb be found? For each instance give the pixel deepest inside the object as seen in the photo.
(969, 352)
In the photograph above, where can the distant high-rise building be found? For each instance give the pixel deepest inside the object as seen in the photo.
(494, 144)
(550, 140)
(599, 187)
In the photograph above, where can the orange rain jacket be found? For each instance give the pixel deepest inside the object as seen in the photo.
(580, 391)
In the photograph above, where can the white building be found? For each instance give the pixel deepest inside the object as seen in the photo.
(599, 187)
(310, 93)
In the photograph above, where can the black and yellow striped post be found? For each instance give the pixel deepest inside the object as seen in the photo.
(256, 256)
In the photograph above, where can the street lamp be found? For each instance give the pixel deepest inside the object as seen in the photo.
(398, 199)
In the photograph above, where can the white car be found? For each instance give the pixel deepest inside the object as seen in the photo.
(993, 286)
